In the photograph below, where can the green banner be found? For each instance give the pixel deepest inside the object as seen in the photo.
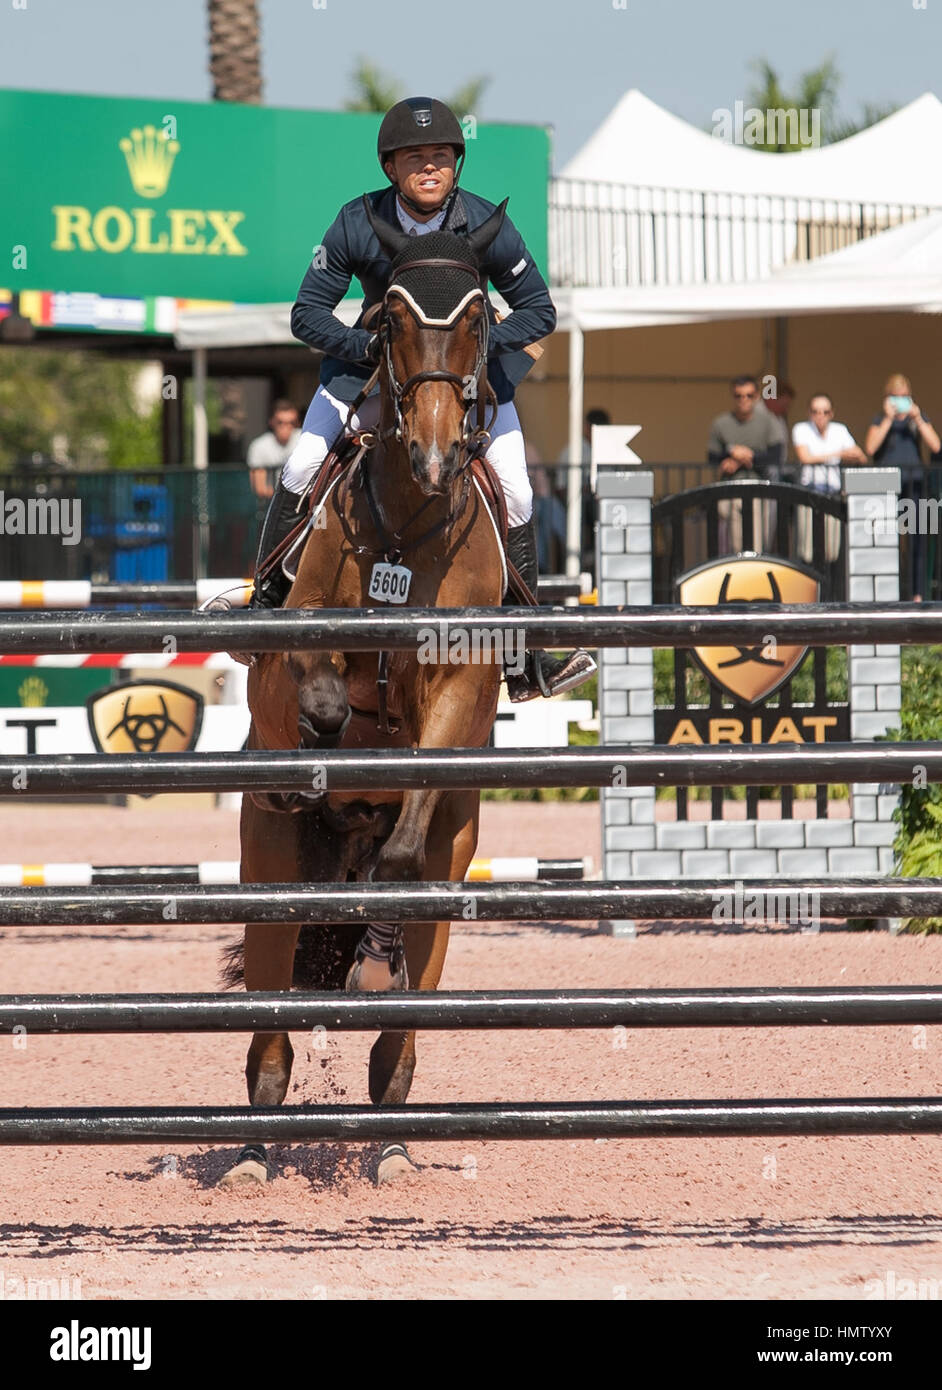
(35, 687)
(207, 201)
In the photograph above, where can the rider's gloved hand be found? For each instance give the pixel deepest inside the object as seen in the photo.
(374, 349)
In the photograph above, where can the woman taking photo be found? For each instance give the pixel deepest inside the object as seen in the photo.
(895, 439)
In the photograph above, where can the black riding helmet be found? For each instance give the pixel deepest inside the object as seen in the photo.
(420, 121)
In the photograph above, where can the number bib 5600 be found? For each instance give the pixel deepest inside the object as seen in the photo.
(390, 583)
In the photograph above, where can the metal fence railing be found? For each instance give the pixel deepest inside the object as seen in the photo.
(123, 525)
(180, 524)
(614, 235)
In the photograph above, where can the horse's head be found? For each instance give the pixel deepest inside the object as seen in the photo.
(434, 330)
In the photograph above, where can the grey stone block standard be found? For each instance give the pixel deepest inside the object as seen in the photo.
(803, 863)
(878, 832)
(681, 834)
(657, 864)
(706, 863)
(731, 834)
(829, 832)
(780, 834)
(853, 861)
(753, 863)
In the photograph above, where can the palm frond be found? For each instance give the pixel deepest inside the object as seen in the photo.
(466, 101)
(374, 90)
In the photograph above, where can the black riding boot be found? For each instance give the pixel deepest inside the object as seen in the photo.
(280, 520)
(542, 673)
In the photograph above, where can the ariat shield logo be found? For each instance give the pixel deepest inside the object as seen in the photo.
(749, 673)
(145, 717)
(150, 157)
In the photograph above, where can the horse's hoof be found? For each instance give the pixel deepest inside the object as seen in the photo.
(394, 1163)
(375, 976)
(249, 1170)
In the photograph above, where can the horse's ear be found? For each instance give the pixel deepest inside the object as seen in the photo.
(482, 236)
(390, 238)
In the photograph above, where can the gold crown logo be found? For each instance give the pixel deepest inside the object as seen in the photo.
(150, 157)
(34, 692)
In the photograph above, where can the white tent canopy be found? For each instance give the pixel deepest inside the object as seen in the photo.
(899, 270)
(641, 144)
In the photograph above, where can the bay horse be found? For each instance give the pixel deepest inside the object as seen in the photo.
(410, 498)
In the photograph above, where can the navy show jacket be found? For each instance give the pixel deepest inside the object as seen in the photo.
(350, 249)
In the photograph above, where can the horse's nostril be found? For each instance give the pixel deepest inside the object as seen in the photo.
(323, 728)
(309, 736)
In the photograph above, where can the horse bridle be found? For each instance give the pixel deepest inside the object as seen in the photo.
(472, 439)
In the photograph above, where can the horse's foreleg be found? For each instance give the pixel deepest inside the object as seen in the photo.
(459, 711)
(269, 961)
(392, 1057)
(269, 855)
(381, 960)
(453, 840)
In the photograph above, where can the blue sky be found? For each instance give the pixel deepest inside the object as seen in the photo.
(562, 63)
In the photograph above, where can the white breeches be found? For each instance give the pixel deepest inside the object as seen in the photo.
(326, 415)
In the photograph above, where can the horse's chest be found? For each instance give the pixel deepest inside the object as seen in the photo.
(405, 682)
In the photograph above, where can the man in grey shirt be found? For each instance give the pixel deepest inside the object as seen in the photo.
(273, 449)
(744, 437)
(743, 442)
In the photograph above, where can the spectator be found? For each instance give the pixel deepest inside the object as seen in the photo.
(743, 441)
(822, 444)
(272, 449)
(593, 417)
(744, 438)
(778, 407)
(548, 509)
(894, 439)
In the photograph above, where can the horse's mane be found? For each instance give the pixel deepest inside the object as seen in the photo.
(436, 288)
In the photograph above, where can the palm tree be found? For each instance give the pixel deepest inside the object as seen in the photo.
(235, 50)
(871, 114)
(816, 91)
(375, 90)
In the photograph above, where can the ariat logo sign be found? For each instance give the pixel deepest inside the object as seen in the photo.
(145, 717)
(150, 157)
(749, 673)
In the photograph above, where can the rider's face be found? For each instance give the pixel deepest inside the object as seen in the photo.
(426, 174)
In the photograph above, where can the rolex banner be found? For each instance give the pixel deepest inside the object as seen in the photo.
(199, 201)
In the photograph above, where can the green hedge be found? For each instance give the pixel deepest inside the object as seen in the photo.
(918, 843)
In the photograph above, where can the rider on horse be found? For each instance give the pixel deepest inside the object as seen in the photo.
(421, 148)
